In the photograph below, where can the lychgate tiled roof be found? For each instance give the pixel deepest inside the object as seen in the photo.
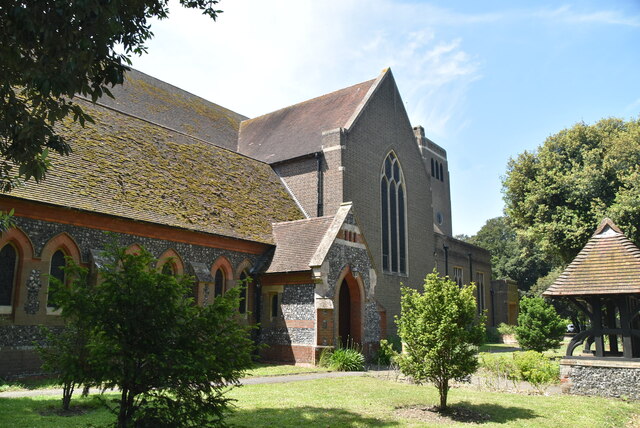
(297, 242)
(608, 264)
(128, 167)
(297, 130)
(149, 98)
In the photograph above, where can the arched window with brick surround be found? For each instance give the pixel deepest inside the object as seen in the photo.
(393, 216)
(8, 274)
(218, 284)
(56, 270)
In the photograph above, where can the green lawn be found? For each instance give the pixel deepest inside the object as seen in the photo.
(510, 348)
(357, 402)
(261, 369)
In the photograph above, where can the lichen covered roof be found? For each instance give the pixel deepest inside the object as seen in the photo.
(608, 264)
(127, 167)
(297, 130)
(297, 242)
(149, 98)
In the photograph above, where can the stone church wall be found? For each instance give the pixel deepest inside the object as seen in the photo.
(383, 126)
(21, 330)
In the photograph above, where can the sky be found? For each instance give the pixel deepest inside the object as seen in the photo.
(487, 80)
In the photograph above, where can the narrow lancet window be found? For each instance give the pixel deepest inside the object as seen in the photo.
(393, 216)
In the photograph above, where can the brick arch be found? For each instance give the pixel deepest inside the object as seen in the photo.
(24, 251)
(223, 263)
(350, 322)
(245, 265)
(171, 256)
(20, 241)
(68, 246)
(64, 242)
(133, 249)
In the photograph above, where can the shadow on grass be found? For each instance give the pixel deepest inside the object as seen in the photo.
(497, 413)
(45, 412)
(304, 416)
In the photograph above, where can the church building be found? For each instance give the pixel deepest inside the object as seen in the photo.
(327, 207)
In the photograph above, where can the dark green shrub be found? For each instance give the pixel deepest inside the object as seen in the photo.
(491, 335)
(346, 360)
(539, 326)
(325, 357)
(386, 354)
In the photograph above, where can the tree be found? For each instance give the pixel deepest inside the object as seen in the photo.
(557, 195)
(66, 352)
(539, 326)
(54, 50)
(440, 329)
(171, 360)
(511, 257)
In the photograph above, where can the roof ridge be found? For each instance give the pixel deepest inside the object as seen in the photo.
(324, 217)
(160, 125)
(183, 90)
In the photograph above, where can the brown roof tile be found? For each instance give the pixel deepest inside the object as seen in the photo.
(128, 167)
(297, 130)
(608, 264)
(297, 242)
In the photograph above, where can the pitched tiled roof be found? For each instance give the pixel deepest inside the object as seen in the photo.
(608, 264)
(297, 242)
(149, 98)
(297, 130)
(127, 167)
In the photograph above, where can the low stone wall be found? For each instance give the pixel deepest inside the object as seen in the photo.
(609, 377)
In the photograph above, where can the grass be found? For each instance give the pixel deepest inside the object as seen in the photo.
(262, 369)
(356, 402)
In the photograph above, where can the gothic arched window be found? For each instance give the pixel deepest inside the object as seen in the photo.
(243, 293)
(393, 230)
(218, 284)
(58, 263)
(8, 263)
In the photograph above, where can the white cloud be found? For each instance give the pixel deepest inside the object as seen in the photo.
(260, 56)
(609, 17)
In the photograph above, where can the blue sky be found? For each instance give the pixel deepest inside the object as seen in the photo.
(487, 79)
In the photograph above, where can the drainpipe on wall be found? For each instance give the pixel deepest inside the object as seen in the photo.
(320, 210)
(446, 260)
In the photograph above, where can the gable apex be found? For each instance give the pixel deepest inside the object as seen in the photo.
(372, 90)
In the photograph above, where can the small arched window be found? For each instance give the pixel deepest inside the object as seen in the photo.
(58, 263)
(393, 228)
(243, 294)
(8, 268)
(218, 284)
